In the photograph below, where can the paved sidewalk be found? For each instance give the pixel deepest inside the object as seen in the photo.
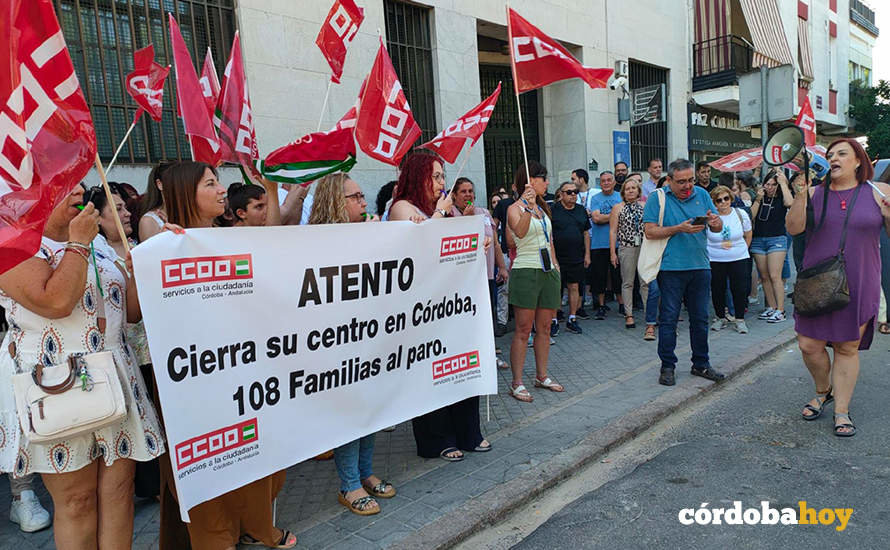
(610, 376)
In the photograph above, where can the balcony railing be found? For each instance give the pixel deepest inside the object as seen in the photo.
(719, 61)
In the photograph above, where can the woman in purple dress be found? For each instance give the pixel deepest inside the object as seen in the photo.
(849, 329)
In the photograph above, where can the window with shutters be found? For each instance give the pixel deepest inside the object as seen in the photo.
(102, 36)
(409, 45)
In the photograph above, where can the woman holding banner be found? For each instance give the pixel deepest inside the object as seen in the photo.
(70, 300)
(420, 195)
(534, 277)
(194, 197)
(339, 199)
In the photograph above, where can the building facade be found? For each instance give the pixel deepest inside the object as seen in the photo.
(863, 35)
(448, 54)
(735, 37)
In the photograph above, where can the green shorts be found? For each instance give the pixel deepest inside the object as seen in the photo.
(532, 288)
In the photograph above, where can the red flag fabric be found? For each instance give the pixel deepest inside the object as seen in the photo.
(385, 129)
(233, 114)
(146, 83)
(807, 122)
(192, 109)
(337, 31)
(209, 83)
(451, 140)
(747, 159)
(47, 141)
(347, 121)
(538, 60)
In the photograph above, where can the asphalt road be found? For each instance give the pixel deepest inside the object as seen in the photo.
(748, 444)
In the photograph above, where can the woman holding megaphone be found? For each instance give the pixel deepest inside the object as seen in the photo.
(843, 219)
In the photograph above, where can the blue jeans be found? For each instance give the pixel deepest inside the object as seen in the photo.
(652, 303)
(676, 287)
(353, 462)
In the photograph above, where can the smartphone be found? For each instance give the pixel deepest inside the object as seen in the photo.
(700, 220)
(545, 260)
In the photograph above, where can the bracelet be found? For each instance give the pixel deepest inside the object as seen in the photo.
(78, 252)
(75, 244)
(442, 211)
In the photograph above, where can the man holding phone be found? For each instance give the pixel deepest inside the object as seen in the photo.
(685, 273)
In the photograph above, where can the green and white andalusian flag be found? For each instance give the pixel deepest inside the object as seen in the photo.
(311, 157)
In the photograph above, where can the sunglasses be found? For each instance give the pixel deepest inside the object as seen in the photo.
(722, 199)
(571, 192)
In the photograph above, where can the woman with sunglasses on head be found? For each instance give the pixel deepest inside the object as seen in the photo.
(768, 245)
(420, 195)
(728, 252)
(194, 198)
(844, 214)
(534, 277)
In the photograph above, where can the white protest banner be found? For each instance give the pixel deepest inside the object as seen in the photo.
(273, 344)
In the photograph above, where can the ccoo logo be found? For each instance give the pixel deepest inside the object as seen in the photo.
(458, 245)
(213, 443)
(205, 269)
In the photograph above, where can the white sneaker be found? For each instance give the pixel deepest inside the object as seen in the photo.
(766, 314)
(718, 324)
(741, 327)
(28, 513)
(777, 317)
(753, 300)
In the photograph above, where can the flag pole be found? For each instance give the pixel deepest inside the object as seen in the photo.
(123, 141)
(528, 178)
(324, 105)
(108, 195)
(463, 163)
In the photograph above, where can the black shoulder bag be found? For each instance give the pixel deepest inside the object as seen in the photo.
(822, 288)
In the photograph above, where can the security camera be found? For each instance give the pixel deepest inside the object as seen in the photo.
(618, 83)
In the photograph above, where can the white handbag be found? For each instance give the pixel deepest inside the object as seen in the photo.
(652, 250)
(81, 395)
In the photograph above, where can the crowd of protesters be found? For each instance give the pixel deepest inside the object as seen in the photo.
(723, 237)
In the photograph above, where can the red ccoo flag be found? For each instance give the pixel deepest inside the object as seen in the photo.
(806, 121)
(451, 140)
(198, 123)
(337, 31)
(47, 141)
(538, 60)
(385, 129)
(233, 117)
(209, 83)
(146, 83)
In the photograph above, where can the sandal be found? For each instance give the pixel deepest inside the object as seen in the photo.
(287, 540)
(384, 489)
(363, 506)
(502, 364)
(480, 449)
(521, 393)
(549, 384)
(631, 324)
(816, 412)
(444, 454)
(848, 425)
(884, 328)
(650, 333)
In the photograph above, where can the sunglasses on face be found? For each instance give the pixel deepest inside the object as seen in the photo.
(571, 191)
(719, 200)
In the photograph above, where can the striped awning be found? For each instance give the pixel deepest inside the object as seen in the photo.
(804, 53)
(711, 30)
(765, 23)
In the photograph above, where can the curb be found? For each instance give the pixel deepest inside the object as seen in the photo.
(497, 503)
